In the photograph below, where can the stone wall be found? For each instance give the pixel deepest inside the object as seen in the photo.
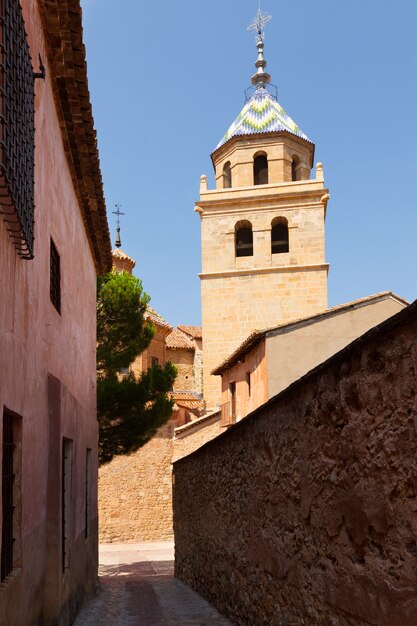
(307, 507)
(135, 493)
(184, 362)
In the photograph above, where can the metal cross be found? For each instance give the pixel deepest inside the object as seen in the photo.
(259, 22)
(118, 213)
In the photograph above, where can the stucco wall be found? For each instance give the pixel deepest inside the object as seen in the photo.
(307, 508)
(255, 365)
(291, 354)
(41, 350)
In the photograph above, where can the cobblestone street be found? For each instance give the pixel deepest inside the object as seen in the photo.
(138, 588)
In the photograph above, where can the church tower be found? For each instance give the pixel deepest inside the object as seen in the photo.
(262, 227)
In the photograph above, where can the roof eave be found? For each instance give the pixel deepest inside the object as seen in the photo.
(237, 138)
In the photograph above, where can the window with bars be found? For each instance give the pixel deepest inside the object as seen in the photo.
(55, 277)
(17, 129)
(7, 535)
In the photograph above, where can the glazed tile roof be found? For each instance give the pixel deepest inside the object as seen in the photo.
(254, 338)
(178, 340)
(262, 114)
(193, 331)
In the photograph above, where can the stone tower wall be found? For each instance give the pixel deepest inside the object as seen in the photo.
(241, 294)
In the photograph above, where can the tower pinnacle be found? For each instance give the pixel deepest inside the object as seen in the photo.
(261, 77)
(118, 213)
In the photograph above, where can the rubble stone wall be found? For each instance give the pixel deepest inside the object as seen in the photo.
(135, 493)
(305, 512)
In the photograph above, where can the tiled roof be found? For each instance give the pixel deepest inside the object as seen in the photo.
(67, 67)
(178, 340)
(193, 331)
(154, 317)
(262, 114)
(250, 342)
(119, 254)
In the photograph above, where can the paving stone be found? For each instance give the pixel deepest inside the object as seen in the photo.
(138, 588)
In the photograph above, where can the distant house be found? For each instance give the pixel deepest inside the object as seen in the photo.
(54, 240)
(269, 360)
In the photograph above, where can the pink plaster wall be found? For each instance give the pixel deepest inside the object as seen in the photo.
(255, 363)
(36, 342)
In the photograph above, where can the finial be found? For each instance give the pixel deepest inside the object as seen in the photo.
(118, 213)
(261, 19)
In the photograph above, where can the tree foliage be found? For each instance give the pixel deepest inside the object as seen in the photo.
(129, 410)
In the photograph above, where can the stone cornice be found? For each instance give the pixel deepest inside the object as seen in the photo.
(255, 271)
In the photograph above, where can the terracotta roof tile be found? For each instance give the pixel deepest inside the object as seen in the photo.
(193, 331)
(67, 68)
(178, 340)
(154, 317)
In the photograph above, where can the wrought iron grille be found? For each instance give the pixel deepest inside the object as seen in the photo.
(55, 277)
(17, 128)
(7, 538)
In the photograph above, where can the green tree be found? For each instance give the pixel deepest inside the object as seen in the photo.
(129, 410)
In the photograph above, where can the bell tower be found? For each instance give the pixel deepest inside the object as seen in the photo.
(262, 227)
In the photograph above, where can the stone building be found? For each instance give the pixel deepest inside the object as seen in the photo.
(262, 229)
(54, 240)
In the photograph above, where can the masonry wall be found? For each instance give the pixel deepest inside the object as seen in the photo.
(307, 507)
(231, 311)
(135, 492)
(184, 362)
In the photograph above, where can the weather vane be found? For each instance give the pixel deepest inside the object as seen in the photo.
(118, 213)
(259, 23)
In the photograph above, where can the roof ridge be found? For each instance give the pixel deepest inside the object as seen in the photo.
(251, 339)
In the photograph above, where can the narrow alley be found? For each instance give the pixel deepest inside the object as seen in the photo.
(138, 588)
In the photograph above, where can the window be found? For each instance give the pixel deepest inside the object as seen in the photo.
(260, 170)
(248, 383)
(244, 239)
(295, 172)
(8, 497)
(11, 490)
(227, 175)
(17, 129)
(66, 500)
(279, 236)
(88, 485)
(55, 277)
(154, 361)
(232, 393)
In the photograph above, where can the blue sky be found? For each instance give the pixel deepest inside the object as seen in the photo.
(168, 78)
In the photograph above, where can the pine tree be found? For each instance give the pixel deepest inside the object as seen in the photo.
(129, 410)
